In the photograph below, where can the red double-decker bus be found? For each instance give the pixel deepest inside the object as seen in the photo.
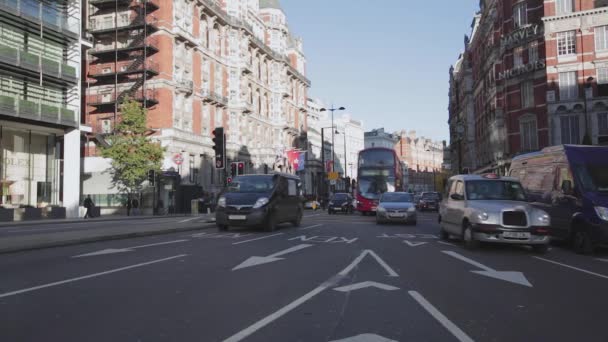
(379, 170)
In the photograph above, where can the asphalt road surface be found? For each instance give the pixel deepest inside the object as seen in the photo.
(336, 278)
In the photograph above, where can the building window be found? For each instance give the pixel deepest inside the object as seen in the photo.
(601, 38)
(602, 81)
(520, 14)
(563, 6)
(602, 123)
(518, 56)
(570, 129)
(527, 94)
(566, 43)
(529, 134)
(568, 88)
(533, 52)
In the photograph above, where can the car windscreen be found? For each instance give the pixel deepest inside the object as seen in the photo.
(340, 197)
(495, 190)
(593, 177)
(395, 197)
(251, 184)
(373, 187)
(431, 196)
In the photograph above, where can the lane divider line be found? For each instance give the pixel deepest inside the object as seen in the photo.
(30, 289)
(572, 267)
(256, 239)
(447, 243)
(309, 227)
(441, 318)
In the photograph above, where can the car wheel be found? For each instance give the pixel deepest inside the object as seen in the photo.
(271, 223)
(298, 221)
(222, 227)
(443, 235)
(540, 249)
(468, 238)
(582, 242)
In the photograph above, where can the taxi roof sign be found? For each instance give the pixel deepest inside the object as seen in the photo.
(491, 176)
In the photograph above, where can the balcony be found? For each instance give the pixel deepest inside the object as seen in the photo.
(99, 28)
(186, 86)
(100, 71)
(37, 64)
(150, 44)
(109, 4)
(34, 110)
(43, 14)
(184, 34)
(109, 99)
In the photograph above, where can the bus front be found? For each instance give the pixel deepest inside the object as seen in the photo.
(376, 175)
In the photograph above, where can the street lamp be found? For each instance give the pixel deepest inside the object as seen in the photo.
(332, 110)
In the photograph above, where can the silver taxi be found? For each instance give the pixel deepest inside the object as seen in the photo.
(491, 208)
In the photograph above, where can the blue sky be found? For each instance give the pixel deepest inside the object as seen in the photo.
(386, 61)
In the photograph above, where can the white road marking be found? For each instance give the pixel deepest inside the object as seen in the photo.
(509, 276)
(30, 289)
(126, 249)
(286, 309)
(414, 244)
(256, 260)
(256, 239)
(365, 338)
(312, 215)
(309, 227)
(366, 284)
(441, 318)
(572, 267)
(386, 267)
(188, 220)
(599, 259)
(446, 243)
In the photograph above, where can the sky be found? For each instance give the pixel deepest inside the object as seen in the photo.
(386, 61)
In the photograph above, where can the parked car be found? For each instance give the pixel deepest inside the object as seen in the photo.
(396, 207)
(429, 201)
(570, 183)
(340, 202)
(261, 201)
(490, 208)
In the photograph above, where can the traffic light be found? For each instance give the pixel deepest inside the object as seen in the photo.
(233, 170)
(219, 147)
(241, 168)
(151, 177)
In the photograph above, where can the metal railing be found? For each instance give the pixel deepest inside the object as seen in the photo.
(37, 63)
(111, 97)
(98, 70)
(138, 42)
(38, 111)
(100, 26)
(45, 14)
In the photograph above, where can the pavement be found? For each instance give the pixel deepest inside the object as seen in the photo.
(334, 278)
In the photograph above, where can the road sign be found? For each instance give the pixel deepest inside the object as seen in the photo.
(178, 159)
(333, 176)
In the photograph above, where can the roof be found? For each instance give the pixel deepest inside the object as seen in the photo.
(270, 4)
(481, 177)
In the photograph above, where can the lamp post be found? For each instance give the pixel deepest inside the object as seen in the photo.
(332, 110)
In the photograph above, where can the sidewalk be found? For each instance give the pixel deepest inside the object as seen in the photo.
(96, 219)
(112, 232)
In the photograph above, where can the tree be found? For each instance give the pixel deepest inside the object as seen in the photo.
(132, 153)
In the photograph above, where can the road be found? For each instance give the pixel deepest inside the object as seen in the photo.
(336, 278)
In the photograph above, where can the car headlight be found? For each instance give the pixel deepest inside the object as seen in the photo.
(602, 212)
(543, 218)
(380, 209)
(411, 209)
(482, 216)
(221, 202)
(260, 202)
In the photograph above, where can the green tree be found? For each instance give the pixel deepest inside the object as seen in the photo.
(132, 153)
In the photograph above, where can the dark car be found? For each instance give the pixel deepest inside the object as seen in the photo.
(340, 202)
(261, 201)
(569, 182)
(429, 201)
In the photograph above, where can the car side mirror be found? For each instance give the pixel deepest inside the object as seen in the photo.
(567, 187)
(456, 197)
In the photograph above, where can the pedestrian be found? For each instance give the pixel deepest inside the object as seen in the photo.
(88, 204)
(129, 205)
(135, 206)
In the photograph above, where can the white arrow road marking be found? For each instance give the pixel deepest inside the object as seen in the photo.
(365, 284)
(510, 276)
(256, 239)
(286, 309)
(365, 338)
(572, 267)
(414, 244)
(455, 330)
(126, 249)
(446, 243)
(2, 295)
(255, 260)
(310, 227)
(604, 260)
(388, 269)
